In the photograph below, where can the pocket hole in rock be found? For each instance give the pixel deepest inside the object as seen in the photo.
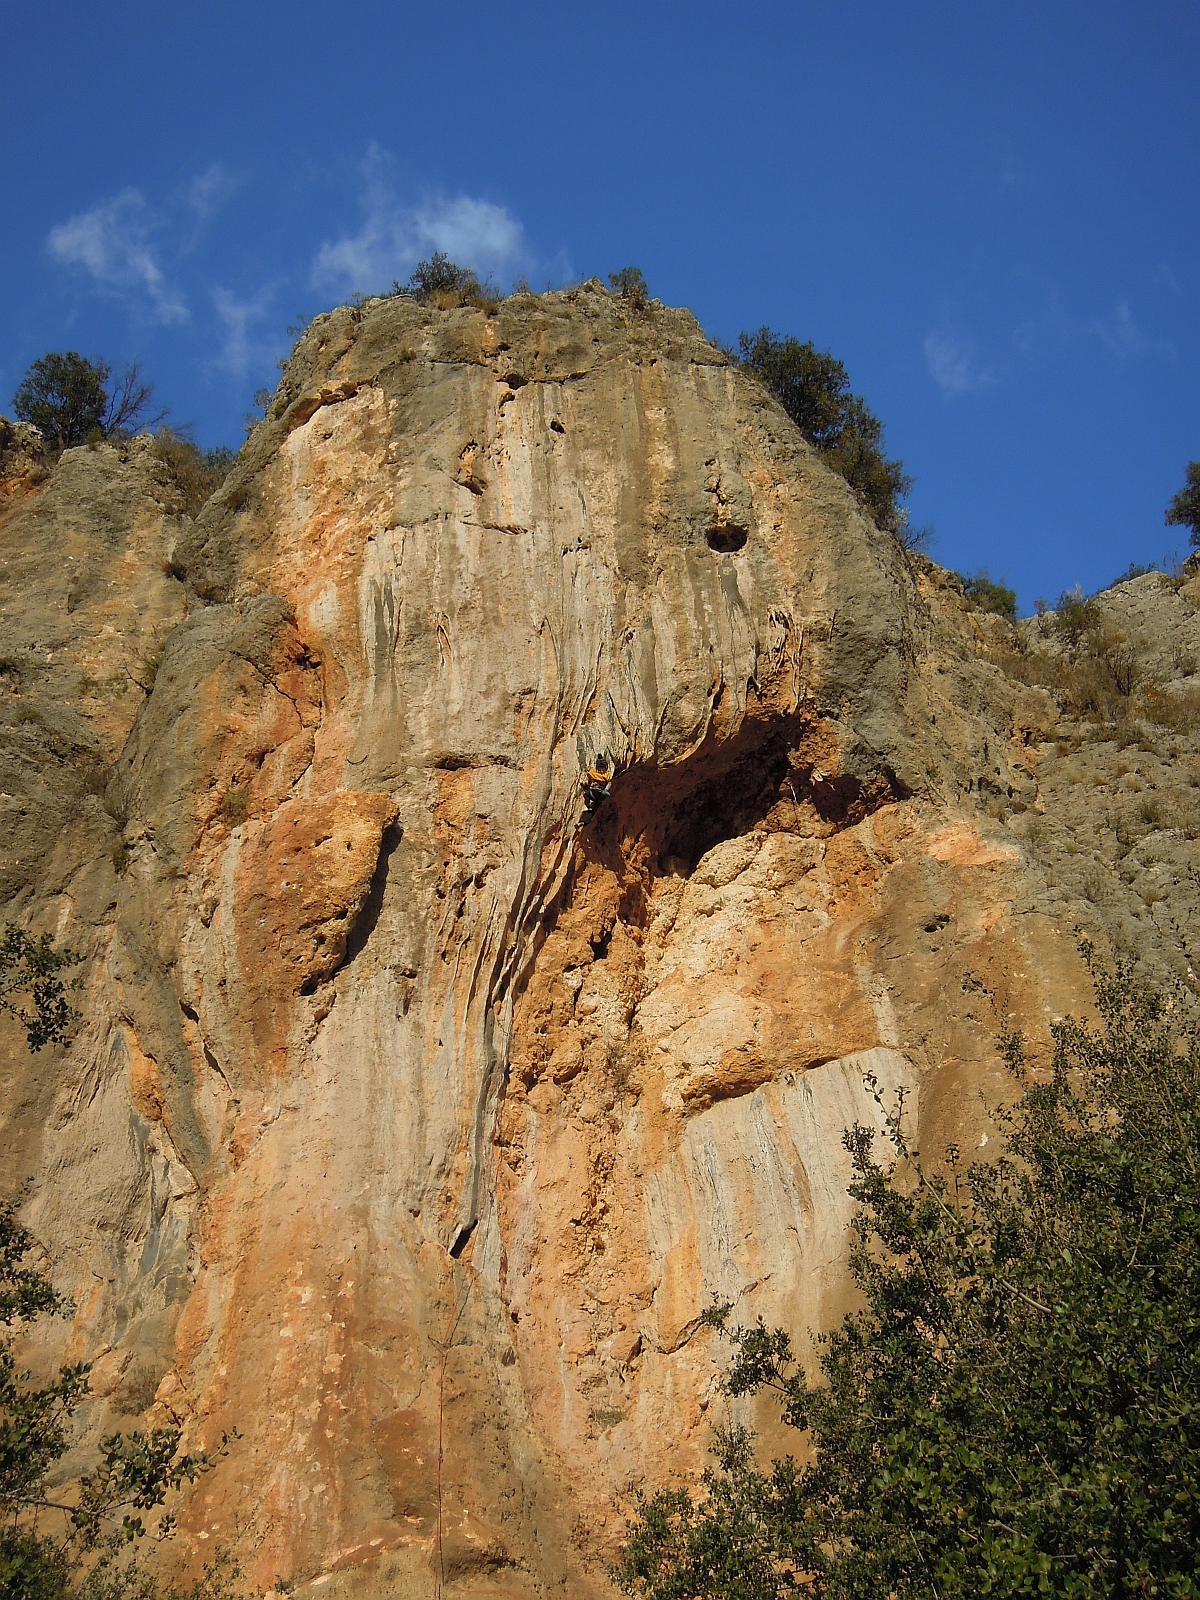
(726, 538)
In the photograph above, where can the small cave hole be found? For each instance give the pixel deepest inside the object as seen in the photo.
(461, 1239)
(726, 538)
(556, 425)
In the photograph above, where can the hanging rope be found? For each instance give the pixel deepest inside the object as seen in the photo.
(445, 1347)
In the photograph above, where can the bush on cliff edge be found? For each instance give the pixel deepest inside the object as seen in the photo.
(1016, 1409)
(1184, 508)
(70, 400)
(813, 387)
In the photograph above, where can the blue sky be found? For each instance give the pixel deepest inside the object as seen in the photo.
(988, 212)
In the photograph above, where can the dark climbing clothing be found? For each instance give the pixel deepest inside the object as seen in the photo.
(597, 785)
(594, 794)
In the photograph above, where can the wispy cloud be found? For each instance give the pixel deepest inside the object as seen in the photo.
(475, 233)
(1127, 339)
(204, 196)
(952, 365)
(1121, 333)
(240, 352)
(112, 244)
(209, 190)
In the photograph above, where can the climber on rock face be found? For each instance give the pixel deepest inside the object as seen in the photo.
(597, 785)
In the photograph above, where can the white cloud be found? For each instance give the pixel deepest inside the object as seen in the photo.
(239, 351)
(1127, 341)
(1120, 333)
(204, 196)
(112, 243)
(951, 363)
(475, 233)
(209, 190)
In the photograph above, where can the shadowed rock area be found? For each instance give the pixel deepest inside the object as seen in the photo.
(413, 1117)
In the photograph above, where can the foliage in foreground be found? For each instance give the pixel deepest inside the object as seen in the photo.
(813, 387)
(1016, 1410)
(76, 1546)
(30, 987)
(71, 400)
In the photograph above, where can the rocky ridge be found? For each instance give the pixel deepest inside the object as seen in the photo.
(413, 1119)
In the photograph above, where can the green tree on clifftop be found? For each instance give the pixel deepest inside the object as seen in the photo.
(71, 400)
(1016, 1409)
(445, 283)
(1184, 509)
(813, 387)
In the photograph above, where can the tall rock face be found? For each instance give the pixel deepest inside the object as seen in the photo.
(414, 1116)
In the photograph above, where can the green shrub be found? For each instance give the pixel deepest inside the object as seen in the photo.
(64, 397)
(436, 276)
(1135, 569)
(981, 594)
(1012, 1411)
(261, 400)
(1123, 663)
(1076, 615)
(71, 400)
(608, 1416)
(443, 283)
(1184, 509)
(813, 388)
(630, 284)
(235, 805)
(1177, 710)
(77, 1546)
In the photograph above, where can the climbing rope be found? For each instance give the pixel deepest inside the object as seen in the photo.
(445, 1346)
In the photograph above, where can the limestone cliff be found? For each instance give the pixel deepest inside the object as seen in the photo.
(413, 1117)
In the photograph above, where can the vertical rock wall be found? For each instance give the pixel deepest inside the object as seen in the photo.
(415, 1118)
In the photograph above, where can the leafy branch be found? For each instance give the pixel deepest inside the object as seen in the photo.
(31, 989)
